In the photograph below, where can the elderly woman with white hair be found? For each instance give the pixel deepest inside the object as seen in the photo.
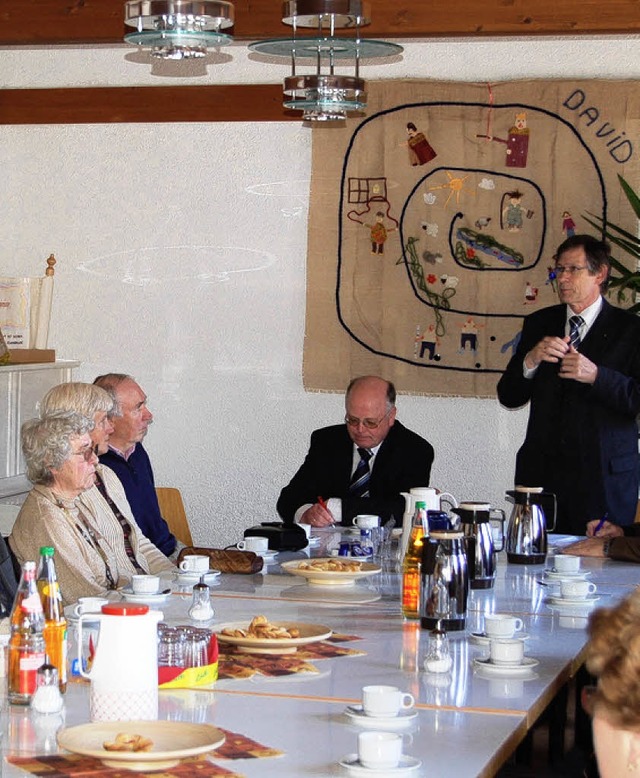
(107, 501)
(61, 463)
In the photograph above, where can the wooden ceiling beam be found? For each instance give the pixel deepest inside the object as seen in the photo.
(229, 103)
(54, 22)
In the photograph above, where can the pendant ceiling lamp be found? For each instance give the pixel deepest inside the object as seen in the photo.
(323, 95)
(178, 29)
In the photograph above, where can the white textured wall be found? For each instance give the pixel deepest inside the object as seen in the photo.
(181, 259)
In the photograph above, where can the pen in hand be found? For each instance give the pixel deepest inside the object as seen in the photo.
(600, 525)
(322, 502)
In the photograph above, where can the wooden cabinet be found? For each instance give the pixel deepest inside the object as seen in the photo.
(21, 388)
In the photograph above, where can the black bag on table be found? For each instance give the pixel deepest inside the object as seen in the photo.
(282, 537)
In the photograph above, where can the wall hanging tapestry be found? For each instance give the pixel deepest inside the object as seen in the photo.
(434, 220)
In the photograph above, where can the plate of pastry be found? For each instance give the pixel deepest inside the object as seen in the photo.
(261, 636)
(331, 571)
(140, 745)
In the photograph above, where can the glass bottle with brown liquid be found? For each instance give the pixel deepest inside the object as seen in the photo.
(412, 562)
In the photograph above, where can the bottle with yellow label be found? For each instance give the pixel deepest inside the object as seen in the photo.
(412, 562)
(55, 623)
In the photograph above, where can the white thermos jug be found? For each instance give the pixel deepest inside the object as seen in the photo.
(124, 672)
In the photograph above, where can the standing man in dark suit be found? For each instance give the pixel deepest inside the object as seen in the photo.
(579, 365)
(360, 466)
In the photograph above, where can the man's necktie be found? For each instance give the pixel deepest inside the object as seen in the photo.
(359, 485)
(575, 322)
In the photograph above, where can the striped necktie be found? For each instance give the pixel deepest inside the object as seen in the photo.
(575, 322)
(359, 485)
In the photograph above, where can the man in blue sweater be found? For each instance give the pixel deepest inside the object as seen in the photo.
(129, 460)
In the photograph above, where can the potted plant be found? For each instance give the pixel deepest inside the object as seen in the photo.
(624, 279)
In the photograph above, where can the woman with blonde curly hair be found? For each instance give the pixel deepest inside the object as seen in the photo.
(613, 656)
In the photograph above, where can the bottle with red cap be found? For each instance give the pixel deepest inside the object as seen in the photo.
(26, 647)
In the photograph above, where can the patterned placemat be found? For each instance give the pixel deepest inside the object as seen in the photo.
(236, 746)
(76, 766)
(236, 664)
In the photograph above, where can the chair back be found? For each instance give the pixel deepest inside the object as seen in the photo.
(173, 512)
(8, 516)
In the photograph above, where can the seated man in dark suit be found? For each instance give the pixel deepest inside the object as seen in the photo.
(360, 466)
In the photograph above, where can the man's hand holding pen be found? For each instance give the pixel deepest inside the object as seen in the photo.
(318, 515)
(603, 529)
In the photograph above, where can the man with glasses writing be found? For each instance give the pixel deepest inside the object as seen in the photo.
(578, 364)
(361, 466)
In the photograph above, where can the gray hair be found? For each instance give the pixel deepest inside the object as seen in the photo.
(110, 382)
(86, 399)
(46, 442)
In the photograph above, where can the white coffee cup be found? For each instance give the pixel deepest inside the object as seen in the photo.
(255, 543)
(379, 750)
(506, 651)
(89, 605)
(502, 625)
(145, 584)
(195, 563)
(366, 521)
(564, 563)
(385, 701)
(571, 588)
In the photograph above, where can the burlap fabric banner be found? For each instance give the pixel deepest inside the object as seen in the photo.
(433, 223)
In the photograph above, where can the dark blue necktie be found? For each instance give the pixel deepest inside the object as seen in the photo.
(575, 322)
(359, 485)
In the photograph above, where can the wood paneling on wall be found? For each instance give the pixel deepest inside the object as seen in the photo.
(28, 22)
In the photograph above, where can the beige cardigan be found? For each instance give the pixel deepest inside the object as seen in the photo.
(46, 520)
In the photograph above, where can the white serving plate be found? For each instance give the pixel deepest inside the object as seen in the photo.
(330, 577)
(172, 742)
(309, 633)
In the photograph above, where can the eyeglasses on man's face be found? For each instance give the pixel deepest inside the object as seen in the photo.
(370, 424)
(569, 269)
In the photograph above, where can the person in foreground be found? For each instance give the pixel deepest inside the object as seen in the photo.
(613, 656)
(578, 364)
(127, 457)
(61, 463)
(360, 466)
(106, 501)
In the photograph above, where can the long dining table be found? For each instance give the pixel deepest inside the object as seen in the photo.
(469, 721)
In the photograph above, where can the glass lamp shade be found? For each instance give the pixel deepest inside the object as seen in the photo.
(178, 29)
(324, 95)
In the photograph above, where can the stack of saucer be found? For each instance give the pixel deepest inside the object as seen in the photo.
(384, 709)
(506, 658)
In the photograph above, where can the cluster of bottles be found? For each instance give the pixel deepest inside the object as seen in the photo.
(438, 658)
(37, 650)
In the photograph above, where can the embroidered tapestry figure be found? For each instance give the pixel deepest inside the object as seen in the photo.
(420, 152)
(517, 143)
